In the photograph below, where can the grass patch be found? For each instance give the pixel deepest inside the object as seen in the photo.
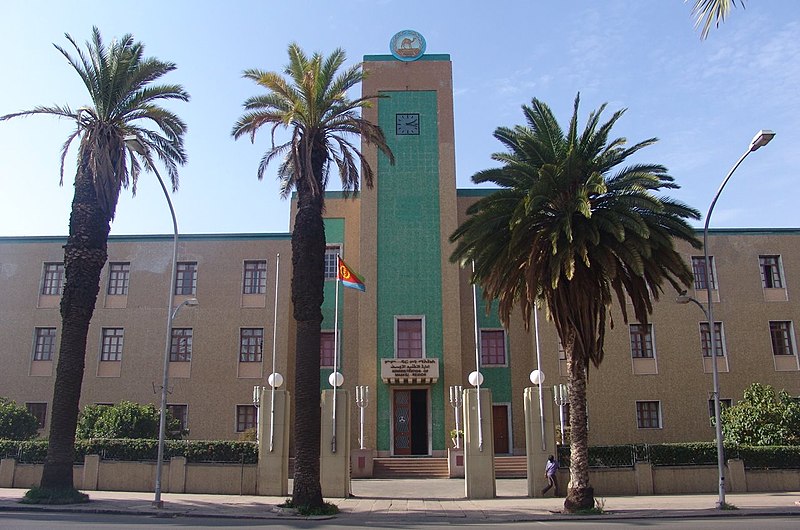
(726, 506)
(326, 509)
(39, 495)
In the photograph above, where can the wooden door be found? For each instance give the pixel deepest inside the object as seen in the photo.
(500, 422)
(402, 422)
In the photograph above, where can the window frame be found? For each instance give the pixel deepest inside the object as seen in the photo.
(332, 250)
(647, 340)
(112, 343)
(254, 276)
(250, 352)
(250, 412)
(119, 275)
(705, 339)
(776, 271)
(724, 403)
(397, 339)
(182, 270)
(327, 334)
(787, 337)
(644, 418)
(53, 278)
(698, 273)
(40, 415)
(175, 355)
(183, 418)
(486, 357)
(39, 339)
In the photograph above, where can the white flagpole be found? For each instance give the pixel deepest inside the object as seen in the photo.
(477, 358)
(335, 352)
(539, 367)
(274, 349)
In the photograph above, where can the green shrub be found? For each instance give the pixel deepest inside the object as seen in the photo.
(16, 423)
(124, 420)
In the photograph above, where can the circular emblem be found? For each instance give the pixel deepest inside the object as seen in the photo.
(344, 273)
(407, 45)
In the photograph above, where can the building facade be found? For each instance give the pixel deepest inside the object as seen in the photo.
(412, 334)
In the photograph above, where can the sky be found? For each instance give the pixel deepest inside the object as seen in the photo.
(704, 100)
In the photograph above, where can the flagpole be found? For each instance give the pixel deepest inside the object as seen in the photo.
(477, 357)
(335, 352)
(274, 348)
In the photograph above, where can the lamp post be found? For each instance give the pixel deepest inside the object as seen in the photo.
(132, 142)
(761, 139)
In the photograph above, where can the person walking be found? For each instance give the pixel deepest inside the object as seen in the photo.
(550, 470)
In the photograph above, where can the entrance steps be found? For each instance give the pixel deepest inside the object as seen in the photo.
(427, 467)
(419, 467)
(511, 466)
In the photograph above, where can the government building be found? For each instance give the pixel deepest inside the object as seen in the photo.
(411, 335)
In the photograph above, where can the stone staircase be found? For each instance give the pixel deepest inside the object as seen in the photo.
(425, 467)
(511, 467)
(419, 467)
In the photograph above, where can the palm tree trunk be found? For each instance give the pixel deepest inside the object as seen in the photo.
(84, 256)
(580, 495)
(308, 279)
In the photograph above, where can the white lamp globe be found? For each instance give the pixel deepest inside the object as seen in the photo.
(275, 379)
(537, 377)
(336, 379)
(475, 378)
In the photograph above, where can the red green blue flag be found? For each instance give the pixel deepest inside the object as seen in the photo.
(349, 277)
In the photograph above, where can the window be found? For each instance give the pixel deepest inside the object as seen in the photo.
(648, 414)
(705, 339)
(112, 344)
(245, 417)
(562, 353)
(118, 277)
(723, 404)
(181, 348)
(53, 279)
(186, 278)
(331, 262)
(327, 349)
(770, 272)
(251, 345)
(180, 413)
(255, 277)
(781, 333)
(642, 341)
(39, 410)
(493, 346)
(699, 272)
(409, 338)
(44, 345)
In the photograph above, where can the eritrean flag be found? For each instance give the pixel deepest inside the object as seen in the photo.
(349, 277)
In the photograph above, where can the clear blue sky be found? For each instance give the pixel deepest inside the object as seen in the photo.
(704, 100)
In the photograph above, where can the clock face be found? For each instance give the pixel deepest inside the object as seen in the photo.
(407, 124)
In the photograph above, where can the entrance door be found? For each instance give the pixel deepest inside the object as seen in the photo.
(410, 422)
(500, 422)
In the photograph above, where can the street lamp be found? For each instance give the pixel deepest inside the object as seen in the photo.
(133, 143)
(762, 138)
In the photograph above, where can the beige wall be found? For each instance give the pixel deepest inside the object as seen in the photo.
(214, 385)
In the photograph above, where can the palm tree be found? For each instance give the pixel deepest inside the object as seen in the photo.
(312, 103)
(708, 11)
(570, 230)
(124, 104)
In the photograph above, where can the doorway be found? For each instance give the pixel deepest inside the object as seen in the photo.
(500, 423)
(410, 422)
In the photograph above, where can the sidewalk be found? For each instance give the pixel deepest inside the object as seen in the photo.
(413, 500)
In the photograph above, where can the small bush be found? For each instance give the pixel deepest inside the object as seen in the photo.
(16, 423)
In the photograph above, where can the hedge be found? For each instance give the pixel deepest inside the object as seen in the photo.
(34, 452)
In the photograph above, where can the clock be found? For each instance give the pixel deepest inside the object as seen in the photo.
(407, 124)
